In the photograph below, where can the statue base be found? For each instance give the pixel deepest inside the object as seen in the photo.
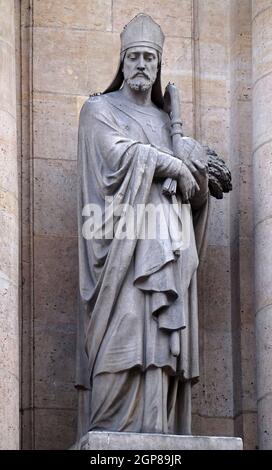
(134, 441)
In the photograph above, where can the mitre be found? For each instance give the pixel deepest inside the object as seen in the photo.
(142, 30)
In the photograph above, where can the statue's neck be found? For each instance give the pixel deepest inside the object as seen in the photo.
(139, 97)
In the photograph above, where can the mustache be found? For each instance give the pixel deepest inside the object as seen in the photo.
(141, 73)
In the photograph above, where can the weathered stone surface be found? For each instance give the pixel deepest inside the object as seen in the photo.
(8, 128)
(215, 288)
(55, 116)
(262, 37)
(210, 426)
(262, 95)
(246, 425)
(55, 428)
(75, 15)
(9, 275)
(62, 51)
(177, 65)
(9, 243)
(7, 77)
(264, 346)
(55, 197)
(262, 165)
(262, 92)
(263, 260)
(7, 26)
(102, 60)
(218, 234)
(215, 129)
(9, 416)
(8, 181)
(176, 21)
(55, 259)
(133, 441)
(55, 364)
(264, 422)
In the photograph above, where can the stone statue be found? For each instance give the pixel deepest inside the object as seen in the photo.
(137, 354)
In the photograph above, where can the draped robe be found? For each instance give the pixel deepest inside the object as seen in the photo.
(134, 292)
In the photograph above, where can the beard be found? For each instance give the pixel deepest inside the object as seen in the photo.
(139, 84)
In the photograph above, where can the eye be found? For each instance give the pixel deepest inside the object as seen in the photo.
(150, 58)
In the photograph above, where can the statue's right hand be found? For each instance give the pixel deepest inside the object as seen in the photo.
(187, 184)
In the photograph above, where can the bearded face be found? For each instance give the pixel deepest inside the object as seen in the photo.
(140, 67)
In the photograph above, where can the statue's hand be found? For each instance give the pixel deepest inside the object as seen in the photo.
(194, 156)
(187, 184)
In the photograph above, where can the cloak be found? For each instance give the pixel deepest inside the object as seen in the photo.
(133, 291)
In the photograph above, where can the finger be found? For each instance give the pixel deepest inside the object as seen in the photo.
(199, 165)
(197, 187)
(193, 191)
(191, 167)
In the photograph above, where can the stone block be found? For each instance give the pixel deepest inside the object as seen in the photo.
(216, 380)
(264, 423)
(102, 60)
(175, 19)
(215, 129)
(261, 39)
(214, 90)
(9, 175)
(259, 6)
(133, 441)
(263, 257)
(7, 78)
(55, 126)
(60, 61)
(211, 426)
(246, 282)
(187, 116)
(9, 413)
(262, 96)
(54, 372)
(55, 429)
(56, 279)
(8, 128)
(248, 358)
(9, 245)
(55, 197)
(218, 230)
(83, 14)
(214, 284)
(7, 26)
(26, 326)
(212, 18)
(246, 423)
(9, 326)
(8, 202)
(264, 351)
(177, 65)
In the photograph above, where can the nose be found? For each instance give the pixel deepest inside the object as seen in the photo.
(141, 64)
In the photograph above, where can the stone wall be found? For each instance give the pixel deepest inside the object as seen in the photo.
(70, 49)
(9, 237)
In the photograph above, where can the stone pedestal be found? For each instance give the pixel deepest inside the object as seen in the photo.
(134, 441)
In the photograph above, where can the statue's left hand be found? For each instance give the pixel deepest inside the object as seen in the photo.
(194, 156)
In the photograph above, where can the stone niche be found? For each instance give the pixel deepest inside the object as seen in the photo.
(68, 50)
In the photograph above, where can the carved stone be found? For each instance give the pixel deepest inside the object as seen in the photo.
(138, 321)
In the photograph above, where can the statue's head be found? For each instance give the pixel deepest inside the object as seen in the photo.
(140, 58)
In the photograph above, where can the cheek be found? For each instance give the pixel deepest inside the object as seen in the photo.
(127, 68)
(154, 70)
